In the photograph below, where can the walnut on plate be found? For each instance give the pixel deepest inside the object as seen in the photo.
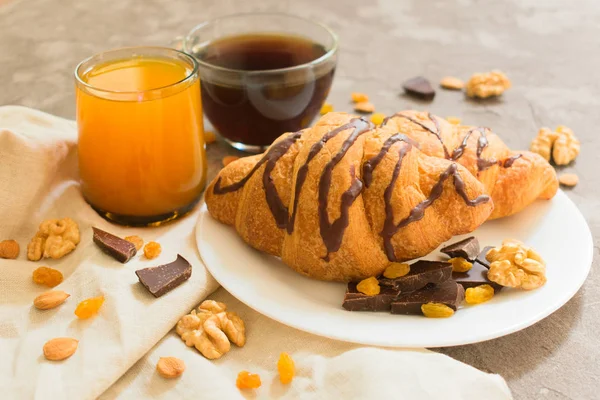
(54, 239)
(487, 84)
(515, 265)
(211, 329)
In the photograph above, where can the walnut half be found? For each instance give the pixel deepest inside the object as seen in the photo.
(487, 84)
(561, 144)
(515, 265)
(211, 329)
(54, 239)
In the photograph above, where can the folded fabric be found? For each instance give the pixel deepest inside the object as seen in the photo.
(38, 180)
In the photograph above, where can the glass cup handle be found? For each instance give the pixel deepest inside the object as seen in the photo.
(177, 43)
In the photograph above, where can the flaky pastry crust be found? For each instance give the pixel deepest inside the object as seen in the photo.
(341, 200)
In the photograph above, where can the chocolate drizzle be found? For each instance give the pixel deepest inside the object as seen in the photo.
(510, 161)
(437, 132)
(360, 126)
(418, 212)
(372, 163)
(275, 152)
(482, 142)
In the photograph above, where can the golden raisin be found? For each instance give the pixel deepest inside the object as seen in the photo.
(286, 368)
(89, 307)
(459, 264)
(364, 107)
(358, 97)
(246, 380)
(369, 286)
(454, 120)
(377, 118)
(327, 108)
(479, 294)
(152, 250)
(47, 276)
(396, 270)
(228, 160)
(137, 241)
(436, 310)
(9, 249)
(209, 137)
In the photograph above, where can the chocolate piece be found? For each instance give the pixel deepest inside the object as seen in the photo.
(481, 257)
(119, 249)
(419, 87)
(357, 301)
(449, 293)
(467, 248)
(476, 276)
(164, 278)
(421, 274)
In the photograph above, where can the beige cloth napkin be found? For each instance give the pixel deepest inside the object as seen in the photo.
(119, 348)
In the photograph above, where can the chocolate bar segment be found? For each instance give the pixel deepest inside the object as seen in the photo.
(419, 87)
(119, 249)
(357, 301)
(449, 293)
(467, 249)
(421, 274)
(476, 276)
(164, 278)
(481, 257)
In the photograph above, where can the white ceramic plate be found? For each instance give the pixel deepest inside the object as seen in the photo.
(556, 229)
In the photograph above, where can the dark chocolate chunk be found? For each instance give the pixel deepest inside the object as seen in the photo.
(449, 293)
(481, 257)
(421, 273)
(467, 248)
(164, 278)
(119, 249)
(357, 301)
(476, 276)
(419, 87)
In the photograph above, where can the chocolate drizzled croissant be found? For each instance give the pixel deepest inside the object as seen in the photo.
(340, 200)
(514, 179)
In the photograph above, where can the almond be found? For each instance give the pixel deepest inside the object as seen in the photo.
(50, 299)
(170, 367)
(60, 348)
(364, 107)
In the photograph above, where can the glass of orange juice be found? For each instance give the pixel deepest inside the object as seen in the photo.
(141, 141)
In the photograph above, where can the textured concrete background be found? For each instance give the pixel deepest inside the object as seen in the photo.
(550, 50)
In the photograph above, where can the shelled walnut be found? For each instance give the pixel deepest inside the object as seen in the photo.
(211, 329)
(487, 84)
(54, 239)
(515, 265)
(561, 144)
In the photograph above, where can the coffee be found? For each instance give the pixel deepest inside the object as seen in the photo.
(249, 99)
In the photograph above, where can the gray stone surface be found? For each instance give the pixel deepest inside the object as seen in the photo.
(550, 50)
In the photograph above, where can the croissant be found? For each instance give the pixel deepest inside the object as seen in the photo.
(340, 200)
(514, 179)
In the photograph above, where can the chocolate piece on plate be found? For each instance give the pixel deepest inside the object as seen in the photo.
(419, 87)
(164, 278)
(481, 257)
(357, 301)
(449, 293)
(476, 276)
(467, 248)
(421, 273)
(119, 249)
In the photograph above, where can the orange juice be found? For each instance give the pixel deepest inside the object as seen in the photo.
(141, 146)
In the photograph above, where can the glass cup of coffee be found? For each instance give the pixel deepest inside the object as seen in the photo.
(262, 74)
